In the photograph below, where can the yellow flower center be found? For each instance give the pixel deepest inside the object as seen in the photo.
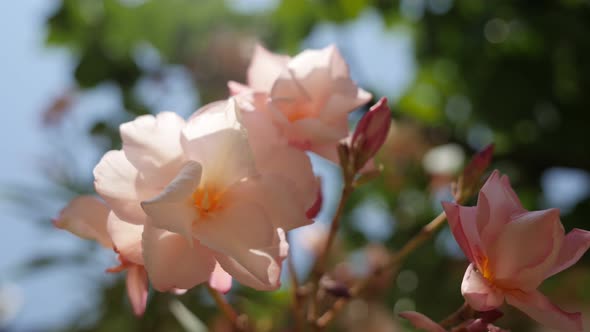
(485, 270)
(298, 115)
(207, 200)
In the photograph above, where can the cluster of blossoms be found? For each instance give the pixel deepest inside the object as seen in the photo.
(210, 199)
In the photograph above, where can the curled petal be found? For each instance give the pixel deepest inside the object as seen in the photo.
(422, 322)
(539, 308)
(478, 292)
(462, 221)
(86, 217)
(575, 244)
(172, 262)
(220, 280)
(173, 209)
(269, 260)
(243, 231)
(137, 288)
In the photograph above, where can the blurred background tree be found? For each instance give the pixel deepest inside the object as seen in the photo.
(509, 72)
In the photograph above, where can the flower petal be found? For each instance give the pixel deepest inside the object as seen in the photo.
(152, 146)
(264, 68)
(86, 217)
(574, 245)
(276, 195)
(216, 139)
(526, 249)
(126, 238)
(173, 262)
(240, 229)
(220, 280)
(271, 258)
(117, 181)
(236, 88)
(539, 308)
(462, 221)
(173, 209)
(137, 288)
(274, 156)
(478, 293)
(500, 203)
(422, 322)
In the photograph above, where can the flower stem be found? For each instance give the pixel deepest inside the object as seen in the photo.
(226, 308)
(319, 267)
(395, 259)
(461, 315)
(297, 305)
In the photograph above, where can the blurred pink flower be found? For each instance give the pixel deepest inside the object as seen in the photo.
(234, 196)
(512, 251)
(310, 96)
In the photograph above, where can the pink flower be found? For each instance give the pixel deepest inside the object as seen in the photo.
(370, 133)
(310, 96)
(233, 198)
(150, 159)
(86, 217)
(512, 251)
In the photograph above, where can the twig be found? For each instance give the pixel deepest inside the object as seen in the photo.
(425, 233)
(461, 315)
(297, 313)
(226, 308)
(319, 266)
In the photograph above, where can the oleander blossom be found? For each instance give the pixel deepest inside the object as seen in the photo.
(233, 196)
(512, 251)
(309, 96)
(150, 158)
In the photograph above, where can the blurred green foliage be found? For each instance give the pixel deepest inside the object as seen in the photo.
(512, 72)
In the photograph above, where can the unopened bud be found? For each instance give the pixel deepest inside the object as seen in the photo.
(370, 133)
(470, 180)
(334, 288)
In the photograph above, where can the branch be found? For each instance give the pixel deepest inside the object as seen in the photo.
(425, 233)
(227, 309)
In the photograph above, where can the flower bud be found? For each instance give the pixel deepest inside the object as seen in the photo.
(370, 133)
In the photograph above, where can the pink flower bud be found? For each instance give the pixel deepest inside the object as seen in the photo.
(470, 180)
(370, 133)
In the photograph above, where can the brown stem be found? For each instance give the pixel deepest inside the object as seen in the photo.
(226, 308)
(425, 233)
(319, 266)
(461, 315)
(297, 314)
